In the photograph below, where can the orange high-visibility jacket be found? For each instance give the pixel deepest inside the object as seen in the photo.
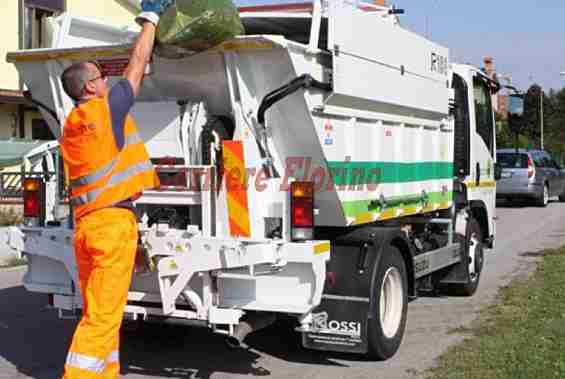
(99, 174)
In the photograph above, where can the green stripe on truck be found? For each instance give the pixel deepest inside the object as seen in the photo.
(356, 173)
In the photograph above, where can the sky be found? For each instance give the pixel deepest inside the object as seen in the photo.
(525, 38)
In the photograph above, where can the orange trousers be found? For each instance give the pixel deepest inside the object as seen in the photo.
(105, 247)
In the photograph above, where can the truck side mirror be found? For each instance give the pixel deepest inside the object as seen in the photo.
(497, 171)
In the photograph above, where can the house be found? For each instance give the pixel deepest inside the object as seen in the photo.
(24, 25)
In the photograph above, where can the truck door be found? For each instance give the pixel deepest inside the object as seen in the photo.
(482, 186)
(484, 141)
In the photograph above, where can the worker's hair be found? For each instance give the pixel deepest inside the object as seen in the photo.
(74, 79)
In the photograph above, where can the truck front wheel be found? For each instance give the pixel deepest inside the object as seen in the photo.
(387, 321)
(473, 252)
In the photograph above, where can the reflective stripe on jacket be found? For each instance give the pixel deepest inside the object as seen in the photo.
(101, 175)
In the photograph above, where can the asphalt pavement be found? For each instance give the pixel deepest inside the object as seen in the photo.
(33, 341)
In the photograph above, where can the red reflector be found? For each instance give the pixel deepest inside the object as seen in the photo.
(302, 213)
(302, 210)
(530, 167)
(31, 204)
(330, 279)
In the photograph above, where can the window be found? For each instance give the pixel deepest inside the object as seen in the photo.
(548, 161)
(512, 160)
(34, 14)
(538, 159)
(48, 5)
(40, 130)
(462, 125)
(483, 113)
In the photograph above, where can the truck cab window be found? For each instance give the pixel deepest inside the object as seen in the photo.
(462, 126)
(483, 113)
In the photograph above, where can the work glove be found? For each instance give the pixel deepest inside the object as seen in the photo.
(152, 10)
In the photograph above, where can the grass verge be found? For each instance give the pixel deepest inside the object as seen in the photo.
(522, 336)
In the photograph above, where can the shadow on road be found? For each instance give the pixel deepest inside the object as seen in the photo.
(513, 204)
(33, 342)
(519, 203)
(176, 351)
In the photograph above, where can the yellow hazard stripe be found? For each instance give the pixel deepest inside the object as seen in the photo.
(365, 218)
(238, 208)
(244, 45)
(489, 184)
(239, 215)
(368, 217)
(321, 248)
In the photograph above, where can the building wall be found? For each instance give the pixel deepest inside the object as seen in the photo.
(118, 13)
(9, 30)
(8, 120)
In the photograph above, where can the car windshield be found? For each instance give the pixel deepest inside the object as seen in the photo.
(512, 160)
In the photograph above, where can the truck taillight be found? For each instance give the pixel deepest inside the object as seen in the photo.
(32, 197)
(302, 210)
(531, 168)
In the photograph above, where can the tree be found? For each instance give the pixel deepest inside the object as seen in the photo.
(532, 128)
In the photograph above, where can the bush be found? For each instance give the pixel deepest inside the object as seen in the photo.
(10, 217)
(13, 262)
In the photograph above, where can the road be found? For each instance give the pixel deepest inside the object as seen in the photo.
(33, 341)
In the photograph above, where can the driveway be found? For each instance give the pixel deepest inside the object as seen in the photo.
(33, 341)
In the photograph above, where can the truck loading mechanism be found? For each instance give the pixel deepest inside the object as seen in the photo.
(368, 177)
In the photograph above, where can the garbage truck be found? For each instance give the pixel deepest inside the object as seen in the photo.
(328, 167)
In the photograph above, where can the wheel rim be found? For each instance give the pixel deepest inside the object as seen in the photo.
(475, 258)
(545, 195)
(391, 302)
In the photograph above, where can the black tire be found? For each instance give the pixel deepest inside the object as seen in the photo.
(383, 343)
(473, 235)
(543, 199)
(562, 197)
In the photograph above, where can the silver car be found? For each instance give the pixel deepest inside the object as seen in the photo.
(529, 174)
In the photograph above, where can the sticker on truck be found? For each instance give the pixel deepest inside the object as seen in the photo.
(113, 66)
(338, 325)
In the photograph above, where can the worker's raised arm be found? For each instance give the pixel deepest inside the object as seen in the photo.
(143, 47)
(140, 56)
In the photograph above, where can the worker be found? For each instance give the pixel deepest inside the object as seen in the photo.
(108, 167)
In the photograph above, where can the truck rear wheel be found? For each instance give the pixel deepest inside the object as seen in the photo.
(390, 304)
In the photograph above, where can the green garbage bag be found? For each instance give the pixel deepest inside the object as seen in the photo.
(197, 25)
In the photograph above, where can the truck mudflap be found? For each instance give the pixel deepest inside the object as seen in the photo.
(339, 324)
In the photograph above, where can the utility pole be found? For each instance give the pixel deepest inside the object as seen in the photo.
(541, 116)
